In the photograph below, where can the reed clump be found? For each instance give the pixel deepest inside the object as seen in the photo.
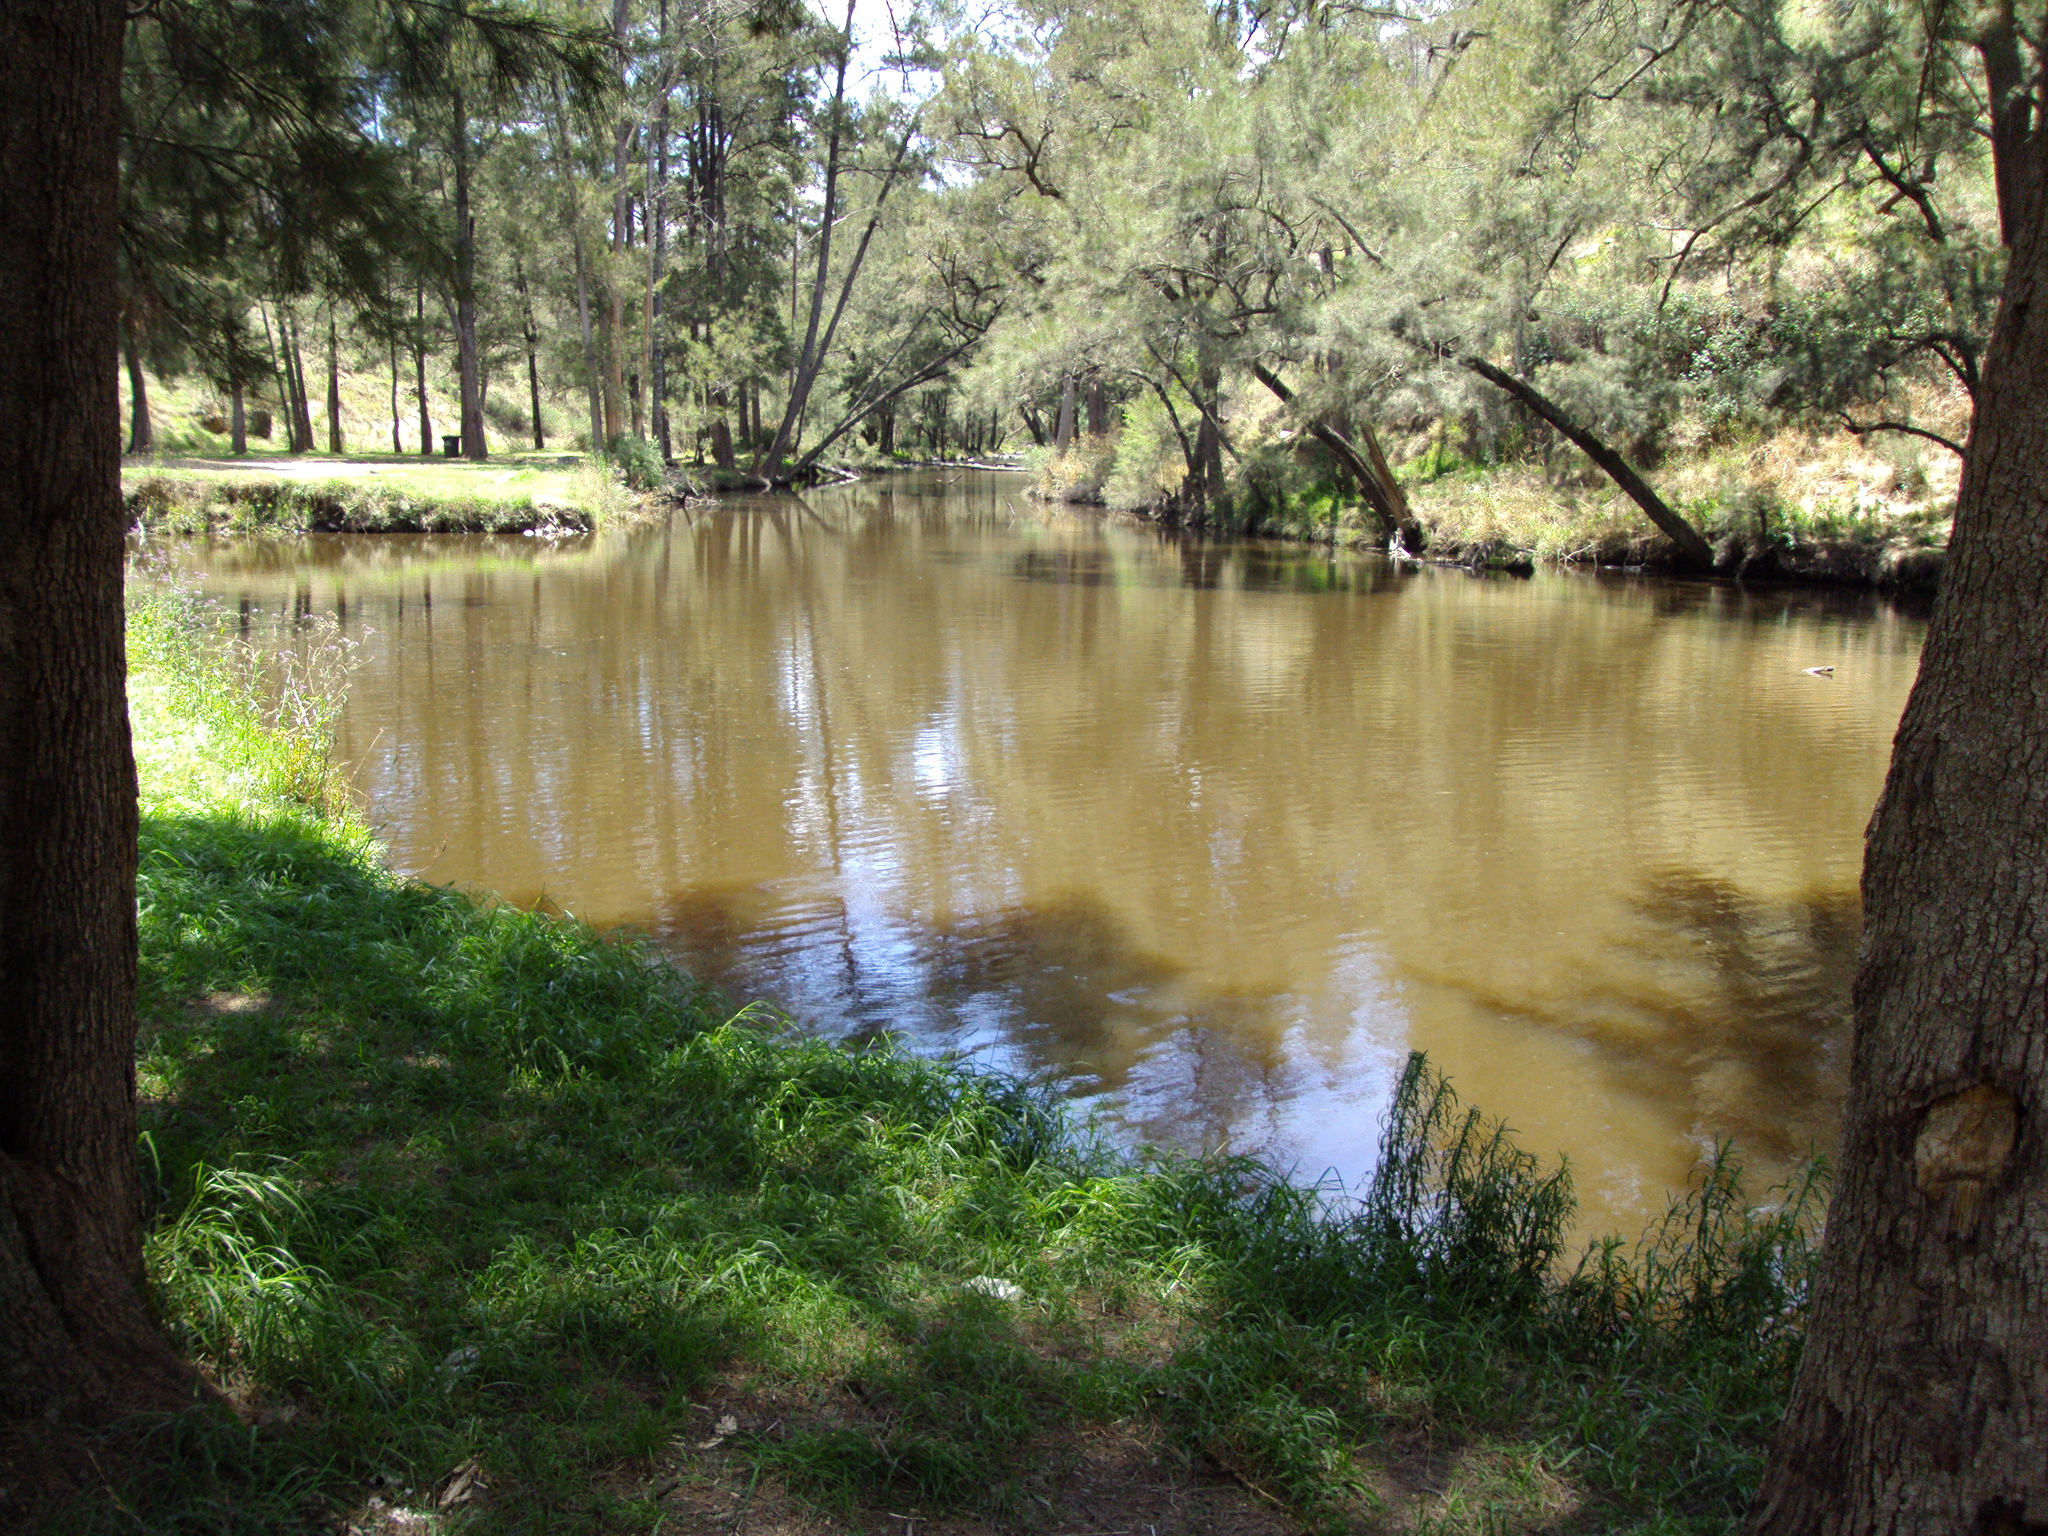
(495, 1222)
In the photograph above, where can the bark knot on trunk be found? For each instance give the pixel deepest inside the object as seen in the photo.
(1965, 1142)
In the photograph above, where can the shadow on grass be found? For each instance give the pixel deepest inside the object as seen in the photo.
(488, 1221)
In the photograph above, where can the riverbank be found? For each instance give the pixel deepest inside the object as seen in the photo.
(373, 493)
(486, 1221)
(1796, 507)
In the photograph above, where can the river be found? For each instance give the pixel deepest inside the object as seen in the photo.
(1211, 833)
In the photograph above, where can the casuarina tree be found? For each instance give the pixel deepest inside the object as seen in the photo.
(74, 1335)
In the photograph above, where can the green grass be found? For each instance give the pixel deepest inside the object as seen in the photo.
(461, 1202)
(371, 493)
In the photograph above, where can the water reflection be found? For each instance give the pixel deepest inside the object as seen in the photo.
(1211, 832)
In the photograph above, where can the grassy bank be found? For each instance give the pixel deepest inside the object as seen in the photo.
(371, 493)
(486, 1222)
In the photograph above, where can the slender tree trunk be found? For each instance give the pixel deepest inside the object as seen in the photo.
(615, 308)
(277, 378)
(238, 418)
(657, 364)
(74, 1337)
(1376, 483)
(1693, 550)
(397, 442)
(1063, 433)
(333, 387)
(592, 388)
(1921, 1404)
(812, 360)
(540, 442)
(801, 369)
(295, 364)
(1210, 400)
(287, 391)
(473, 446)
(886, 440)
(141, 438)
(1098, 406)
(419, 368)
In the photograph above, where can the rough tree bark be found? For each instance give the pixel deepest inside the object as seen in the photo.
(1922, 1398)
(74, 1337)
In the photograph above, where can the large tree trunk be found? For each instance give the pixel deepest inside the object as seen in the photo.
(74, 1336)
(1922, 1398)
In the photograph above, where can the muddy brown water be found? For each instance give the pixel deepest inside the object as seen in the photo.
(1210, 833)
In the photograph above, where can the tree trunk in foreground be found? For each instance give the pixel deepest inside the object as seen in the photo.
(1693, 550)
(74, 1337)
(1922, 1398)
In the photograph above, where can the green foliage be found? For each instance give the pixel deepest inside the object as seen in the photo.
(637, 460)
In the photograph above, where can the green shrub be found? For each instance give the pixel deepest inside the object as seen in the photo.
(637, 460)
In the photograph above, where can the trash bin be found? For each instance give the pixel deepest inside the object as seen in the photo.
(451, 447)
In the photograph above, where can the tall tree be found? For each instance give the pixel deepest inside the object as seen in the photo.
(463, 64)
(74, 1335)
(1921, 1403)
